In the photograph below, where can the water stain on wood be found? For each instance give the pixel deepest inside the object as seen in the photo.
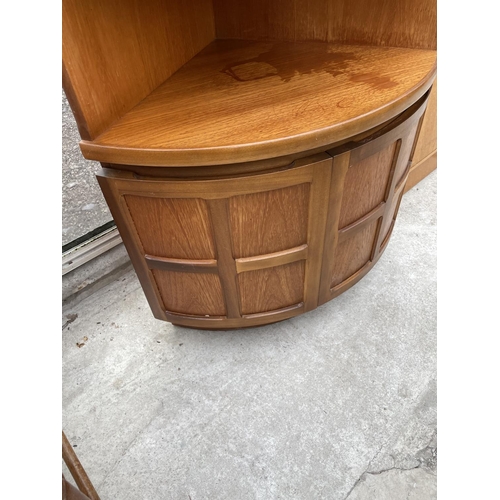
(276, 62)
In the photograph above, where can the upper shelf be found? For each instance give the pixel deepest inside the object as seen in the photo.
(239, 101)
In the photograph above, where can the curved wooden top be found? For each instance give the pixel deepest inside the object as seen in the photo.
(239, 101)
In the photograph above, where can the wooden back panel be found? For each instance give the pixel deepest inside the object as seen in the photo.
(396, 23)
(115, 52)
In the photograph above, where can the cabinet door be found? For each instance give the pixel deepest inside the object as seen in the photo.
(225, 253)
(368, 181)
(425, 157)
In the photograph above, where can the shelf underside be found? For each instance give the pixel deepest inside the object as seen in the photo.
(239, 101)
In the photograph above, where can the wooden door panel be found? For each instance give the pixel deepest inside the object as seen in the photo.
(272, 288)
(368, 185)
(242, 251)
(425, 157)
(235, 251)
(172, 228)
(352, 254)
(193, 294)
(269, 222)
(390, 217)
(365, 185)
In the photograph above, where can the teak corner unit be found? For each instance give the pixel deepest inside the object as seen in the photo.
(254, 153)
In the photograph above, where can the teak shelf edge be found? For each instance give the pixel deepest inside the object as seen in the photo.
(113, 145)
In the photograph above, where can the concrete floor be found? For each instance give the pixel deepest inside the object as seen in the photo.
(83, 205)
(339, 403)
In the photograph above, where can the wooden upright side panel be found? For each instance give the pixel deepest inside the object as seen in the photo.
(115, 52)
(395, 23)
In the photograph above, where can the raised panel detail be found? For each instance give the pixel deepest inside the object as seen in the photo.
(190, 293)
(390, 217)
(273, 288)
(402, 167)
(175, 228)
(353, 253)
(366, 185)
(269, 222)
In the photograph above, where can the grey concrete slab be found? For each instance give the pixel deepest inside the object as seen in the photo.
(416, 446)
(302, 409)
(405, 467)
(83, 205)
(396, 484)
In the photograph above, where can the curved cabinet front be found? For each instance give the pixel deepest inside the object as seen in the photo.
(252, 249)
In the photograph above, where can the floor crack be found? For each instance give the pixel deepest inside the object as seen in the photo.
(393, 468)
(422, 463)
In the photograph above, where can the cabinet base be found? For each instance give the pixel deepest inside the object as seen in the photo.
(247, 250)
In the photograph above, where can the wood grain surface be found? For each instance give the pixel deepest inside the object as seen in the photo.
(115, 52)
(352, 254)
(367, 181)
(424, 159)
(366, 185)
(172, 228)
(272, 288)
(307, 114)
(403, 167)
(243, 101)
(390, 217)
(427, 138)
(420, 170)
(190, 293)
(278, 243)
(269, 222)
(271, 259)
(219, 212)
(249, 320)
(181, 265)
(397, 23)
